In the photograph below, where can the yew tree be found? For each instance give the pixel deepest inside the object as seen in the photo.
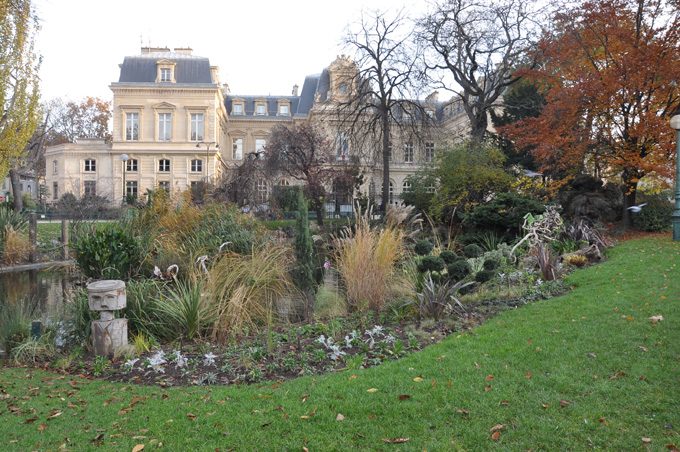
(609, 70)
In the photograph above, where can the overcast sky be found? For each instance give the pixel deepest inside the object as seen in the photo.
(261, 46)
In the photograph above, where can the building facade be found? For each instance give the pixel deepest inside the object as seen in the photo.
(176, 125)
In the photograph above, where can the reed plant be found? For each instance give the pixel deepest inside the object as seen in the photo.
(366, 258)
(245, 289)
(16, 247)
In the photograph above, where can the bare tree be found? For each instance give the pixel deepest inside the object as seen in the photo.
(481, 44)
(382, 94)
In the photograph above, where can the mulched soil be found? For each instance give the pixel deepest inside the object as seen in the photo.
(288, 352)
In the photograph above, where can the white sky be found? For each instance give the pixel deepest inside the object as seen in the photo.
(261, 46)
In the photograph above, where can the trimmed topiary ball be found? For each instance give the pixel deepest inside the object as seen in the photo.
(490, 264)
(449, 256)
(423, 247)
(472, 250)
(459, 269)
(431, 264)
(484, 276)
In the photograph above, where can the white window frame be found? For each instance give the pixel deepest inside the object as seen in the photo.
(164, 185)
(132, 166)
(164, 126)
(164, 165)
(90, 166)
(342, 145)
(260, 110)
(165, 74)
(55, 167)
(238, 110)
(196, 166)
(131, 188)
(409, 152)
(196, 126)
(237, 149)
(284, 110)
(93, 188)
(429, 152)
(132, 126)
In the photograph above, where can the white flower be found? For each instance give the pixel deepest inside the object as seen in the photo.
(129, 364)
(209, 359)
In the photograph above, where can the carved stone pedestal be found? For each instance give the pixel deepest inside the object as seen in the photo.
(108, 333)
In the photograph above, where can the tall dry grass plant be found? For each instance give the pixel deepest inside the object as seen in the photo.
(245, 288)
(366, 257)
(17, 247)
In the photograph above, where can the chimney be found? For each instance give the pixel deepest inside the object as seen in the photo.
(295, 90)
(215, 74)
(183, 50)
(146, 50)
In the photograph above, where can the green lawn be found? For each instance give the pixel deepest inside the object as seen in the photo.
(586, 371)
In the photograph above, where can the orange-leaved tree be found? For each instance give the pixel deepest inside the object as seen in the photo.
(609, 69)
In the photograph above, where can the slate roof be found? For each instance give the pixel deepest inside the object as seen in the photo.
(189, 69)
(272, 105)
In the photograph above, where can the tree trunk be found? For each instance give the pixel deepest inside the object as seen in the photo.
(16, 190)
(385, 125)
(630, 183)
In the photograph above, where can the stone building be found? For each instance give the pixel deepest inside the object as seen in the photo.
(175, 124)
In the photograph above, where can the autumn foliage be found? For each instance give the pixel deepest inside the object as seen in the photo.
(609, 71)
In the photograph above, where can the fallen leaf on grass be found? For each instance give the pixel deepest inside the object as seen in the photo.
(496, 435)
(372, 390)
(591, 355)
(497, 427)
(97, 438)
(487, 388)
(304, 398)
(644, 349)
(396, 440)
(505, 402)
(656, 318)
(646, 440)
(191, 416)
(545, 406)
(42, 427)
(418, 379)
(138, 447)
(404, 397)
(488, 377)
(564, 403)
(529, 375)
(340, 417)
(477, 365)
(353, 377)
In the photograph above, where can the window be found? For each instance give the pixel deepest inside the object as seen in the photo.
(132, 126)
(164, 127)
(284, 183)
(131, 188)
(131, 165)
(430, 188)
(259, 147)
(237, 148)
(54, 167)
(55, 190)
(165, 75)
(164, 166)
(164, 185)
(389, 152)
(429, 152)
(196, 166)
(283, 110)
(429, 113)
(260, 110)
(90, 166)
(90, 188)
(342, 145)
(408, 153)
(238, 109)
(406, 187)
(391, 197)
(196, 127)
(261, 191)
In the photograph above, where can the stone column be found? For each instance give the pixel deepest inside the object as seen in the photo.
(108, 333)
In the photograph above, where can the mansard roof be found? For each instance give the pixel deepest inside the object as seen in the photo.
(250, 101)
(189, 69)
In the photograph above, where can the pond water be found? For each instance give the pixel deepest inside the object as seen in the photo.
(44, 292)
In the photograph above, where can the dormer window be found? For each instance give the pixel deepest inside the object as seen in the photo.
(283, 110)
(238, 109)
(283, 107)
(165, 71)
(165, 75)
(260, 110)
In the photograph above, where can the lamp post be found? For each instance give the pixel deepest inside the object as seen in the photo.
(207, 154)
(124, 158)
(675, 123)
